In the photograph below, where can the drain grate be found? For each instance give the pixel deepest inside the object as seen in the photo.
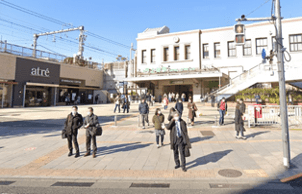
(72, 184)
(230, 173)
(6, 182)
(207, 133)
(149, 185)
(231, 186)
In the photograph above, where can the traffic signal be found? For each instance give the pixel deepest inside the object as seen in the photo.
(239, 34)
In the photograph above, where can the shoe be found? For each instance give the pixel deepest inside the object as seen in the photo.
(143, 128)
(244, 138)
(93, 155)
(70, 154)
(162, 144)
(87, 154)
(77, 155)
(158, 146)
(177, 166)
(237, 137)
(184, 169)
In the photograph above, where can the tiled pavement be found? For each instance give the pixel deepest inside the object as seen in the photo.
(128, 152)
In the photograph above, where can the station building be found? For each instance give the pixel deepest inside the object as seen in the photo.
(197, 62)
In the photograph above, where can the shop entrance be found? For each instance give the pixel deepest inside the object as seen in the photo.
(186, 89)
(38, 96)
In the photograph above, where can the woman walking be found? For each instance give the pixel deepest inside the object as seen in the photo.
(192, 110)
(239, 123)
(158, 121)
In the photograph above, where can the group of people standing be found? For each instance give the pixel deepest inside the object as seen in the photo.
(174, 97)
(125, 102)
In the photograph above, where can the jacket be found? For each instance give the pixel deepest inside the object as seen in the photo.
(157, 120)
(226, 105)
(242, 108)
(192, 108)
(238, 120)
(179, 107)
(117, 100)
(143, 108)
(73, 123)
(92, 120)
(171, 126)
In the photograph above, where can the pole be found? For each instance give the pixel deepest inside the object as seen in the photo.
(35, 45)
(282, 91)
(2, 95)
(24, 93)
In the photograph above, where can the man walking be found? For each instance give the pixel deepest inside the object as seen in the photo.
(144, 111)
(73, 122)
(180, 142)
(117, 102)
(90, 123)
(222, 108)
(179, 107)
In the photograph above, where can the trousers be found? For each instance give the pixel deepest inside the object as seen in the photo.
(90, 137)
(144, 118)
(73, 138)
(221, 119)
(157, 139)
(117, 106)
(179, 148)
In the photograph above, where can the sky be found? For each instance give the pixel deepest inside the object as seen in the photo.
(120, 21)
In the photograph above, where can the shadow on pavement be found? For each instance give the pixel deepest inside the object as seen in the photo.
(106, 150)
(253, 135)
(214, 157)
(197, 139)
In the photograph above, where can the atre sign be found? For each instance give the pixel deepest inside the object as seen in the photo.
(40, 72)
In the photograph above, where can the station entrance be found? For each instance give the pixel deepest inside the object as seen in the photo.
(186, 89)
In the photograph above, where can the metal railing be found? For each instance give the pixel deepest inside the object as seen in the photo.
(160, 72)
(28, 52)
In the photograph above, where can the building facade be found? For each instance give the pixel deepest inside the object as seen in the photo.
(198, 62)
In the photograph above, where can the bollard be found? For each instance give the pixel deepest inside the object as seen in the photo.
(138, 121)
(115, 120)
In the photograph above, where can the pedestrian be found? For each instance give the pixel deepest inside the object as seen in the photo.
(143, 109)
(117, 102)
(126, 104)
(242, 106)
(158, 121)
(222, 108)
(179, 107)
(177, 97)
(171, 114)
(183, 97)
(73, 123)
(179, 141)
(67, 100)
(239, 123)
(192, 110)
(173, 96)
(90, 123)
(79, 99)
(257, 97)
(96, 98)
(290, 99)
(170, 97)
(165, 103)
(148, 99)
(159, 98)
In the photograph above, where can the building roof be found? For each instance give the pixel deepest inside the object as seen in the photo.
(160, 30)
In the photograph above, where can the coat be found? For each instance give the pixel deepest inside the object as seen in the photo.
(157, 120)
(242, 108)
(238, 120)
(73, 123)
(179, 107)
(171, 126)
(143, 108)
(92, 120)
(192, 108)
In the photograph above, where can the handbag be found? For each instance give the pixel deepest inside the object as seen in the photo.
(187, 152)
(64, 134)
(97, 130)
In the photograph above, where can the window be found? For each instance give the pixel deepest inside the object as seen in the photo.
(231, 49)
(144, 56)
(187, 52)
(247, 48)
(205, 51)
(261, 43)
(295, 42)
(217, 50)
(176, 53)
(166, 54)
(152, 55)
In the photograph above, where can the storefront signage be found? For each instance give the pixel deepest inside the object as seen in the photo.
(40, 72)
(176, 82)
(71, 81)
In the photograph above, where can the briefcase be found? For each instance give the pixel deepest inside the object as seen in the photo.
(98, 131)
(64, 134)
(187, 152)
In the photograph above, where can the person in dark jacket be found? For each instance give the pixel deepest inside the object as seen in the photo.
(179, 107)
(126, 104)
(158, 120)
(180, 142)
(239, 123)
(144, 111)
(242, 106)
(73, 122)
(90, 123)
(171, 114)
(222, 108)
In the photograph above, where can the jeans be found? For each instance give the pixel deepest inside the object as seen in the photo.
(119, 109)
(165, 107)
(126, 107)
(144, 118)
(157, 139)
(183, 99)
(221, 119)
(170, 99)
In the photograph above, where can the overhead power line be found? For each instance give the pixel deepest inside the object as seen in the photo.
(258, 7)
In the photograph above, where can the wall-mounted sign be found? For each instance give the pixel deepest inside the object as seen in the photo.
(40, 72)
(71, 81)
(176, 82)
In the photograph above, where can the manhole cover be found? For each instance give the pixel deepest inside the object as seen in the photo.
(148, 185)
(230, 173)
(207, 133)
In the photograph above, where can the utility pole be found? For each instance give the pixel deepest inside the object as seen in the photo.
(282, 91)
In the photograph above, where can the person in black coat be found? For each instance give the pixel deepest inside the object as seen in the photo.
(239, 123)
(73, 122)
(91, 121)
(180, 142)
(242, 106)
(144, 111)
(179, 107)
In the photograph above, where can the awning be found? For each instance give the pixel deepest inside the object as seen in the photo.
(41, 84)
(77, 87)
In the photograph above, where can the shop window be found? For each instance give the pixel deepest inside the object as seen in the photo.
(205, 51)
(261, 43)
(231, 49)
(247, 48)
(295, 42)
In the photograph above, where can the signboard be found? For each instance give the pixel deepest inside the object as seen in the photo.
(71, 81)
(177, 82)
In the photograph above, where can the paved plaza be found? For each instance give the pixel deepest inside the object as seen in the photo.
(31, 147)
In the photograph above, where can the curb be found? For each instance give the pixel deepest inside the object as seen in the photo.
(291, 178)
